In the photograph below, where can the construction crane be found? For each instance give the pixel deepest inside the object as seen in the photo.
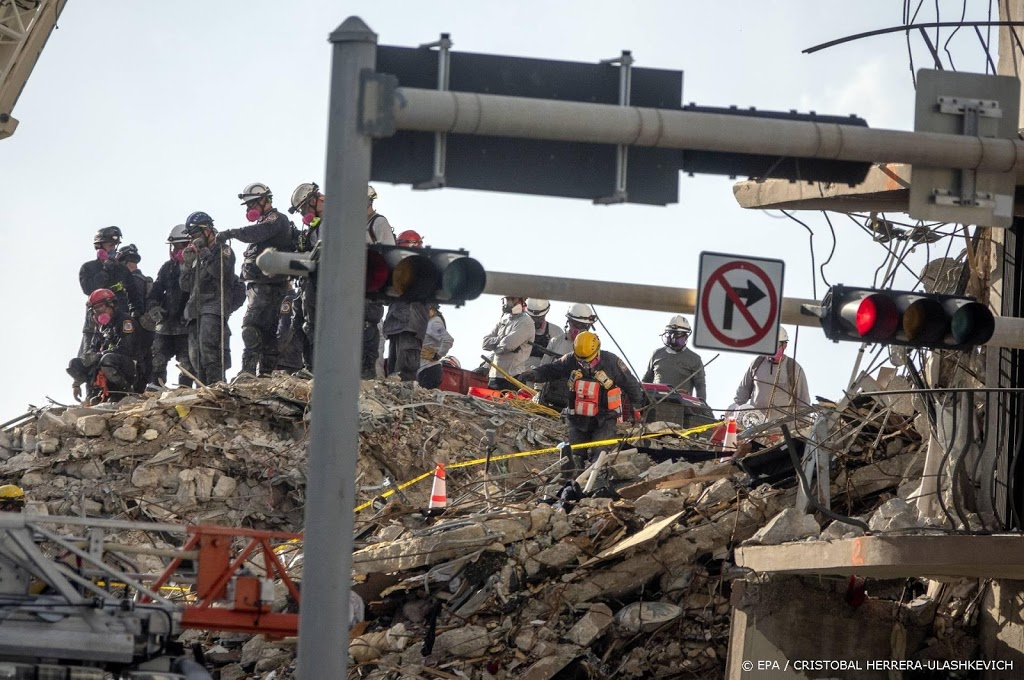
(25, 26)
(82, 603)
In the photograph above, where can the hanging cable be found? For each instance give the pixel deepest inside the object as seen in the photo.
(831, 252)
(814, 273)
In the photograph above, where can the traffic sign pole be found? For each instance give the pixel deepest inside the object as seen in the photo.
(334, 430)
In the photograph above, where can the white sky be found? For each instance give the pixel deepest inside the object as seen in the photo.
(140, 113)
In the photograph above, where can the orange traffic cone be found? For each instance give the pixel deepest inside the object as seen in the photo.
(439, 491)
(729, 443)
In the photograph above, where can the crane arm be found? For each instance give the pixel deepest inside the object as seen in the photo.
(25, 26)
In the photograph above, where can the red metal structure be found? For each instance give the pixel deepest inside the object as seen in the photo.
(229, 597)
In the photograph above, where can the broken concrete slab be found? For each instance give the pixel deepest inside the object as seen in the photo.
(92, 426)
(591, 625)
(788, 525)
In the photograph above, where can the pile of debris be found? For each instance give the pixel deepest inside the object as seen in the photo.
(522, 576)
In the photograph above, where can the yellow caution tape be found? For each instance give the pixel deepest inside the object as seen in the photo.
(539, 452)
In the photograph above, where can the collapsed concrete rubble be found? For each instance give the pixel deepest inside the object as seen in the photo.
(522, 576)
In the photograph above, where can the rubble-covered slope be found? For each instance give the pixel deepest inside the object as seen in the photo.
(511, 581)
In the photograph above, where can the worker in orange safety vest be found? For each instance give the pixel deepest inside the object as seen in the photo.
(596, 381)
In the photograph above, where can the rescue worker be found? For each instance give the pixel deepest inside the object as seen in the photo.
(166, 305)
(578, 318)
(309, 202)
(290, 339)
(104, 271)
(378, 230)
(109, 367)
(509, 342)
(405, 326)
(596, 380)
(207, 275)
(675, 364)
(544, 333)
(436, 344)
(12, 498)
(774, 384)
(139, 286)
(271, 229)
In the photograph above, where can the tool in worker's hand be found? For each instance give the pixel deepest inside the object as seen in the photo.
(545, 350)
(508, 377)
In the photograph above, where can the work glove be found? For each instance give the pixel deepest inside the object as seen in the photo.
(636, 415)
(189, 255)
(225, 236)
(526, 377)
(150, 319)
(76, 390)
(428, 354)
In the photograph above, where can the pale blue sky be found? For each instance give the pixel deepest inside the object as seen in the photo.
(139, 113)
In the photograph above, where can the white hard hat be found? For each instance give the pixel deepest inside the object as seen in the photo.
(371, 193)
(783, 335)
(679, 324)
(537, 306)
(178, 234)
(253, 191)
(581, 312)
(302, 194)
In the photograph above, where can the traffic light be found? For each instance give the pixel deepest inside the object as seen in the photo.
(422, 275)
(908, 318)
(398, 273)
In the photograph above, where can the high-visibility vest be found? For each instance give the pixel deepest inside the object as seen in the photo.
(588, 393)
(588, 398)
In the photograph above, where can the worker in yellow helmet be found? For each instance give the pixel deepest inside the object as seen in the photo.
(12, 498)
(596, 381)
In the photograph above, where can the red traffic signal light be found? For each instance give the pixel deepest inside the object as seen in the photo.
(905, 318)
(422, 275)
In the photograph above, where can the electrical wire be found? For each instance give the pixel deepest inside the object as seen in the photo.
(945, 46)
(814, 273)
(831, 252)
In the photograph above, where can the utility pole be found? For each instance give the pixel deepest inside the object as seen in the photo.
(334, 444)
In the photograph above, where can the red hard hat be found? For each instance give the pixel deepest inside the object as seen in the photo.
(99, 296)
(409, 238)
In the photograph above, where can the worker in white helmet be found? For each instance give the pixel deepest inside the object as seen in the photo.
(775, 384)
(675, 364)
(509, 342)
(544, 333)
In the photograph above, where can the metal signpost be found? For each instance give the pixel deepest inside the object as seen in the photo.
(334, 440)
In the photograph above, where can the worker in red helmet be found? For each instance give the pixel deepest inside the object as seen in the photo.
(109, 367)
(405, 326)
(104, 271)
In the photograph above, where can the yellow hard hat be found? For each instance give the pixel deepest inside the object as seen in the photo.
(10, 491)
(586, 346)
